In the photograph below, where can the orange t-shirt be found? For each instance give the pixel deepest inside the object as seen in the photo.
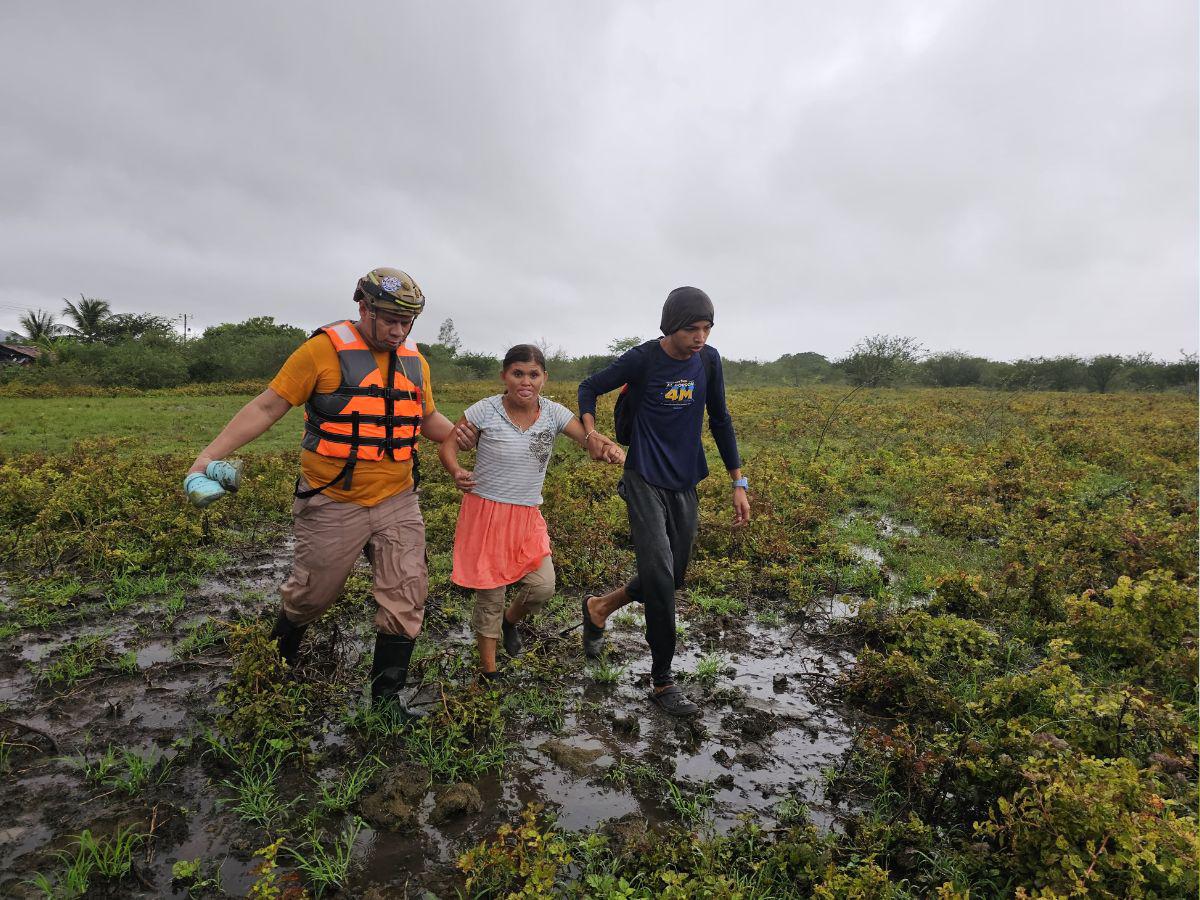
(314, 369)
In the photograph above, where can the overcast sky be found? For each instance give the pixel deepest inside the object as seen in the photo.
(1004, 178)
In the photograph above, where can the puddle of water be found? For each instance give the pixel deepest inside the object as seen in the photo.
(764, 727)
(35, 653)
(888, 526)
(18, 838)
(153, 653)
(885, 527)
(867, 554)
(209, 838)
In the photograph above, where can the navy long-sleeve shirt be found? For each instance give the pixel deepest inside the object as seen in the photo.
(665, 445)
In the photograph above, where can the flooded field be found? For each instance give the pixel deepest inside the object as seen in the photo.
(597, 755)
(959, 635)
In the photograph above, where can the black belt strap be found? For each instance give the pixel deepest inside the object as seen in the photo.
(374, 390)
(346, 476)
(389, 405)
(346, 473)
(366, 419)
(382, 443)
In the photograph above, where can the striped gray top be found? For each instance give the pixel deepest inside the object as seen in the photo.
(510, 464)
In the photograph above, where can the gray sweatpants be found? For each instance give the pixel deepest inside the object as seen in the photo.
(662, 524)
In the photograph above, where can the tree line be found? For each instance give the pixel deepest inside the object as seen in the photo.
(92, 345)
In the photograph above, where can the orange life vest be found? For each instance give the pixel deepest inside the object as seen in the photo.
(363, 419)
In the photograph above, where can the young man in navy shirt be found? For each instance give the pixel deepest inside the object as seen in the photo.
(671, 382)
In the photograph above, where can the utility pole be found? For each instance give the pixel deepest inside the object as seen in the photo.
(185, 327)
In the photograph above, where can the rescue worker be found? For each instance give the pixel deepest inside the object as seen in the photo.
(358, 470)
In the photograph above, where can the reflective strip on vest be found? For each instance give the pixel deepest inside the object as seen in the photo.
(344, 333)
(332, 427)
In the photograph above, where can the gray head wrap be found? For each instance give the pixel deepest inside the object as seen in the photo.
(684, 306)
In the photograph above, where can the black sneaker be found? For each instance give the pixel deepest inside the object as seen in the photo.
(593, 635)
(513, 645)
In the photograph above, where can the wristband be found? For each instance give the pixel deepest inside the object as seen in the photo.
(743, 483)
(587, 436)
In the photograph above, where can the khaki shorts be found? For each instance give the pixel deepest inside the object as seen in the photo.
(531, 592)
(329, 537)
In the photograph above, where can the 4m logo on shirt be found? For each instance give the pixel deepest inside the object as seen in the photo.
(680, 392)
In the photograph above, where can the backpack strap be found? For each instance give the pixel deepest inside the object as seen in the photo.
(644, 349)
(709, 366)
(706, 356)
(633, 390)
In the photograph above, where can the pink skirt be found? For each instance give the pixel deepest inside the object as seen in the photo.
(497, 544)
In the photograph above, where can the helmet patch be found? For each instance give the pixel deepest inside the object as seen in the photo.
(391, 284)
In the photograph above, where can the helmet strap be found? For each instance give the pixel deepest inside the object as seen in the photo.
(372, 314)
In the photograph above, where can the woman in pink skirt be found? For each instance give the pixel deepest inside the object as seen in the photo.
(501, 537)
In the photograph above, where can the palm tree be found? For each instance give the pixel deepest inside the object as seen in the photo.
(88, 316)
(39, 326)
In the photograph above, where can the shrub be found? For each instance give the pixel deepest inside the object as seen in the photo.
(881, 360)
(523, 861)
(945, 646)
(147, 363)
(255, 348)
(960, 594)
(1148, 624)
(897, 683)
(1091, 827)
(261, 704)
(953, 369)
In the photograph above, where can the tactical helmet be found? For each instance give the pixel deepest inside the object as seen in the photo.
(392, 290)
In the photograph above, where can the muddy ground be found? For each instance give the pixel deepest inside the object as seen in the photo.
(768, 733)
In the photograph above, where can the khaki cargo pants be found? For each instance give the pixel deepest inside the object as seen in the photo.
(531, 592)
(330, 536)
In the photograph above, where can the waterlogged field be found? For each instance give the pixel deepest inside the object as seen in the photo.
(954, 655)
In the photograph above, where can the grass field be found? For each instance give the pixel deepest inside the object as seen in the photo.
(157, 424)
(953, 655)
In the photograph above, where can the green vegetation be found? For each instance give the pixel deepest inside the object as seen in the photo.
(178, 424)
(718, 606)
(541, 707)
(535, 859)
(709, 668)
(326, 862)
(1024, 644)
(77, 660)
(458, 749)
(196, 877)
(253, 791)
(605, 672)
(339, 795)
(125, 352)
(124, 770)
(107, 857)
(202, 637)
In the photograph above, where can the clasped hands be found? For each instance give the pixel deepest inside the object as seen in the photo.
(602, 449)
(599, 448)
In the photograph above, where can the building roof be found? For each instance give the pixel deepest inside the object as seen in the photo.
(22, 350)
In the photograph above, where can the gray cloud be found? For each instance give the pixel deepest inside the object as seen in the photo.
(1009, 179)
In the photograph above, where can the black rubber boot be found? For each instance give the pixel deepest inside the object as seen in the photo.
(593, 634)
(389, 672)
(513, 645)
(288, 635)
